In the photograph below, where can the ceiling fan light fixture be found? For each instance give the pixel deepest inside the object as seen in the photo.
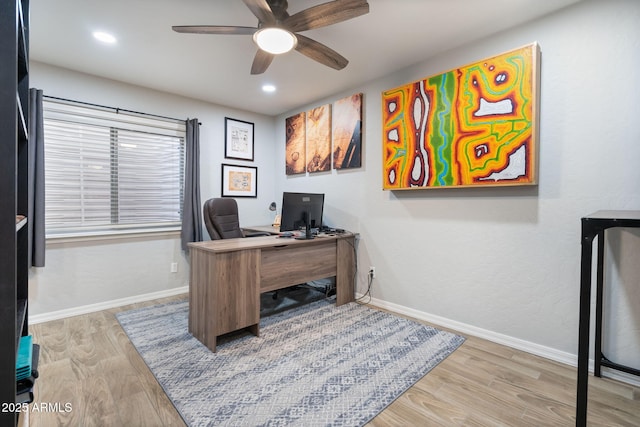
(275, 40)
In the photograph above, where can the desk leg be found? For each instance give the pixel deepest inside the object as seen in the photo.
(597, 355)
(583, 325)
(345, 275)
(224, 294)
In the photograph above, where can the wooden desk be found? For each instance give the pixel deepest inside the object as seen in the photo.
(227, 277)
(595, 225)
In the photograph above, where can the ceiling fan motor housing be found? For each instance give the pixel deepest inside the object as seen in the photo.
(279, 8)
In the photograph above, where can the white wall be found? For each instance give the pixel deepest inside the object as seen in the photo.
(82, 273)
(506, 260)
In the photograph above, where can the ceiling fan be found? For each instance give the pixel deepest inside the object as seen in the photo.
(276, 26)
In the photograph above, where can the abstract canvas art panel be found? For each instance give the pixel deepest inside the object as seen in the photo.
(476, 125)
(295, 161)
(319, 139)
(346, 131)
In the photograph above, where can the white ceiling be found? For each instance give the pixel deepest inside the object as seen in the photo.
(216, 68)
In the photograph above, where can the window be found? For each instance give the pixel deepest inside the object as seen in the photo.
(111, 171)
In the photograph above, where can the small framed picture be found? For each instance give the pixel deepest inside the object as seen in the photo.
(238, 139)
(239, 181)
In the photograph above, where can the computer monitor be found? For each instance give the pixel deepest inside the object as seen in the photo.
(301, 210)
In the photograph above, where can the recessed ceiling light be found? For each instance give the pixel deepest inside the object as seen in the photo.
(104, 37)
(269, 88)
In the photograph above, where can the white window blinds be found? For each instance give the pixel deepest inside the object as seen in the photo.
(108, 170)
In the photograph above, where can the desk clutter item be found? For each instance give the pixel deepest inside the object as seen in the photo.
(25, 354)
(26, 369)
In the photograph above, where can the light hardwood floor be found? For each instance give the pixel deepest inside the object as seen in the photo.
(88, 362)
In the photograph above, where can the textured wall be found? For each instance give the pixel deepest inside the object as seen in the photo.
(506, 260)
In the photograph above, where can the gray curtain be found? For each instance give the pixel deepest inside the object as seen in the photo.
(35, 222)
(192, 210)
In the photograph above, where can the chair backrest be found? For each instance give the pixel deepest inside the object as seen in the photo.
(221, 218)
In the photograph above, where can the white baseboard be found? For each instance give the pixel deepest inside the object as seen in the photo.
(91, 308)
(529, 347)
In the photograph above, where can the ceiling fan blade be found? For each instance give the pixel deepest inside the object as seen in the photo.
(213, 29)
(321, 53)
(261, 61)
(262, 11)
(326, 14)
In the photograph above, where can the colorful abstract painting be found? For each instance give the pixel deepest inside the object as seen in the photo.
(319, 139)
(295, 144)
(472, 126)
(346, 131)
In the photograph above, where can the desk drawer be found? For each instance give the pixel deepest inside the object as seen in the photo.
(295, 264)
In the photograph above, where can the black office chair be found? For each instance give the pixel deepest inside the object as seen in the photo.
(221, 220)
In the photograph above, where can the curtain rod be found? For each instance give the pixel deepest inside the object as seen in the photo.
(116, 109)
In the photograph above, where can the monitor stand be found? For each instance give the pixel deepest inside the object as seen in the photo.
(307, 233)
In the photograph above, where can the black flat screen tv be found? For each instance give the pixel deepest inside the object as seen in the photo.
(301, 211)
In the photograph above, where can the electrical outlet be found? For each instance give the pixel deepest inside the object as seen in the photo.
(372, 272)
(174, 267)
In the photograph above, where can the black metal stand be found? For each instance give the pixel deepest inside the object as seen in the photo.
(307, 227)
(595, 225)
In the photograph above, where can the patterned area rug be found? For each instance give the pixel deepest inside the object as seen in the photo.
(313, 365)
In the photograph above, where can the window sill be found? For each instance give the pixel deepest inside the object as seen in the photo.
(111, 235)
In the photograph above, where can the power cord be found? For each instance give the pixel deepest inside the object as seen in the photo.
(368, 292)
(355, 276)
